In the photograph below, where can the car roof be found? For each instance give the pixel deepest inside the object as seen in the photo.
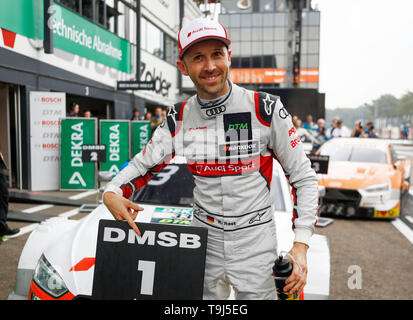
(178, 160)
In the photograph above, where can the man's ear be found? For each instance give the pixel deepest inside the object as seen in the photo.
(182, 67)
(229, 56)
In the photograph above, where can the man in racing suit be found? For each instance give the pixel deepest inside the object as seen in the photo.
(229, 136)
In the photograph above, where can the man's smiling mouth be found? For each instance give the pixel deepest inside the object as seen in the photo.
(210, 78)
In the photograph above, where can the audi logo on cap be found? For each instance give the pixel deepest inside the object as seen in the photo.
(215, 111)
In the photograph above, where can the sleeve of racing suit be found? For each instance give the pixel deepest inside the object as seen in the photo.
(289, 151)
(152, 159)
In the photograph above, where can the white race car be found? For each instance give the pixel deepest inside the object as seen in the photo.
(57, 261)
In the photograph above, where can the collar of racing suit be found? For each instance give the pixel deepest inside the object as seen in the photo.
(211, 108)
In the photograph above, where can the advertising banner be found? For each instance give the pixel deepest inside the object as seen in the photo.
(79, 36)
(46, 109)
(115, 134)
(24, 17)
(309, 75)
(141, 134)
(71, 32)
(261, 75)
(76, 174)
(270, 75)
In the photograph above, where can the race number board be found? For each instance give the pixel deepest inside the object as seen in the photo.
(94, 153)
(166, 262)
(319, 163)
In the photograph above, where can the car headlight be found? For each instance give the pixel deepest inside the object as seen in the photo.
(378, 188)
(47, 278)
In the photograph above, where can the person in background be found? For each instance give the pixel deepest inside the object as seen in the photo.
(305, 134)
(157, 118)
(135, 115)
(405, 129)
(310, 125)
(358, 131)
(333, 127)
(87, 113)
(148, 116)
(321, 138)
(321, 123)
(4, 203)
(369, 131)
(294, 120)
(341, 131)
(73, 110)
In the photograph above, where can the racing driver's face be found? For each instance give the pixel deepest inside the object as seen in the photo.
(207, 64)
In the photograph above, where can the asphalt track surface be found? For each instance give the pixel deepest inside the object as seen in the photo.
(381, 252)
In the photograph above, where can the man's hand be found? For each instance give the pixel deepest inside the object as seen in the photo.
(296, 281)
(122, 209)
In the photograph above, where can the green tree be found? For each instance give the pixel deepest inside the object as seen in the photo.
(405, 104)
(385, 106)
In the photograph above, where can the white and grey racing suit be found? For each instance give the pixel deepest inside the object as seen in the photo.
(230, 149)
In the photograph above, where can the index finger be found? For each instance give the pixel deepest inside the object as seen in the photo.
(133, 225)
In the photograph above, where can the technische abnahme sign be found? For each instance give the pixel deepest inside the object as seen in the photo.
(71, 32)
(79, 36)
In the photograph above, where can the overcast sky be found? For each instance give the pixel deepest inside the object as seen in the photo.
(366, 50)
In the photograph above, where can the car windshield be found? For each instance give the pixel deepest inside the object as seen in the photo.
(173, 186)
(352, 153)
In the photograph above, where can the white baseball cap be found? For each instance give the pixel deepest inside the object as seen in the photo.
(198, 30)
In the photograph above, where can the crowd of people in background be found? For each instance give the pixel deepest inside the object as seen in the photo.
(74, 111)
(318, 133)
(155, 119)
(309, 131)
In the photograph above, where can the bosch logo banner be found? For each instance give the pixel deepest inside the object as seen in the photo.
(46, 111)
(51, 100)
(132, 267)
